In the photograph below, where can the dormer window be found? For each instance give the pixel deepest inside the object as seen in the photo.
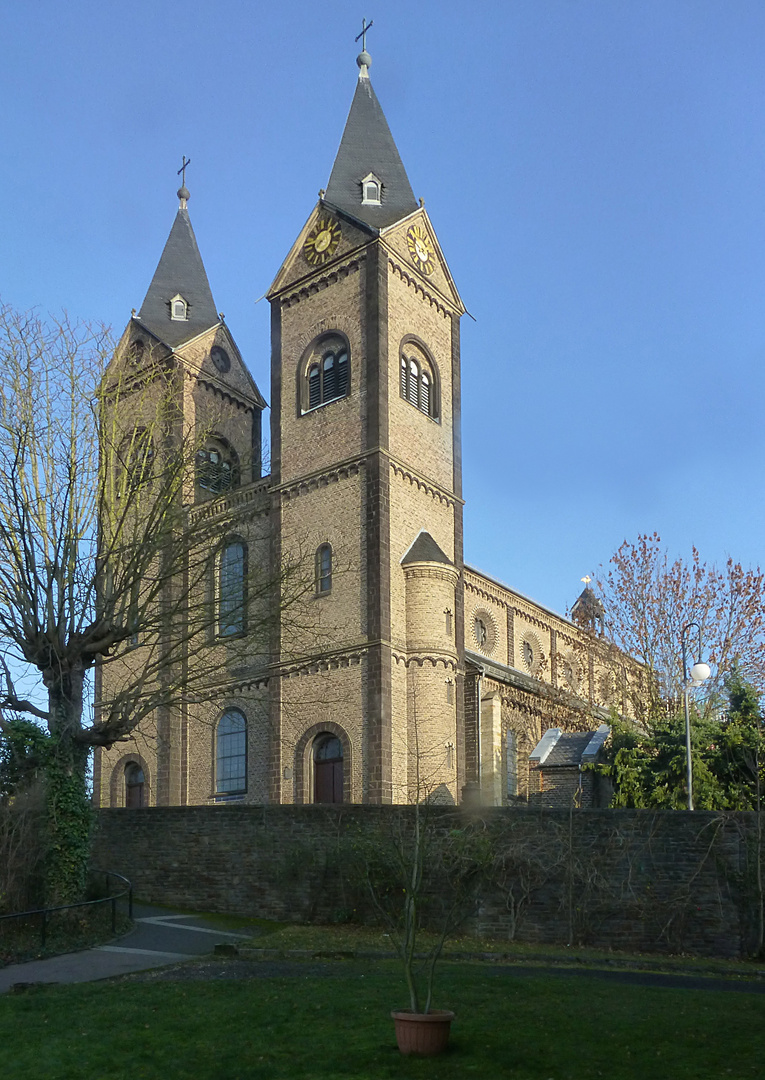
(371, 191)
(179, 309)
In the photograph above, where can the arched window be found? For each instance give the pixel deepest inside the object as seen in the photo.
(323, 570)
(327, 769)
(179, 309)
(417, 383)
(371, 190)
(231, 753)
(136, 459)
(231, 589)
(325, 373)
(216, 467)
(328, 380)
(134, 786)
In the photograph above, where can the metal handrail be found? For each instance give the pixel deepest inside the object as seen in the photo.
(44, 912)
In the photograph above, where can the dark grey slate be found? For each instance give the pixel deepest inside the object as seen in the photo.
(180, 271)
(425, 549)
(367, 146)
(568, 749)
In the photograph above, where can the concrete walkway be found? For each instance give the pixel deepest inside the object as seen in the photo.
(159, 937)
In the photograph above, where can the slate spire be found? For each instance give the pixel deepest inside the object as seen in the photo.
(367, 147)
(180, 274)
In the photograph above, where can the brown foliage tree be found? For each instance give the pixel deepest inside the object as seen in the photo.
(649, 598)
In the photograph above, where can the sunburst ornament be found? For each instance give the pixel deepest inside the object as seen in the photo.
(420, 248)
(322, 241)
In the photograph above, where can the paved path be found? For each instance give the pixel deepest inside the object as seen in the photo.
(165, 939)
(159, 937)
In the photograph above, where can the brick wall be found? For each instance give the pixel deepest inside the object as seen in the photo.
(639, 880)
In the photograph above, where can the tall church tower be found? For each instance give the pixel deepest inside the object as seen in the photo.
(366, 478)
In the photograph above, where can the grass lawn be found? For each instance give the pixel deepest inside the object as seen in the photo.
(338, 1028)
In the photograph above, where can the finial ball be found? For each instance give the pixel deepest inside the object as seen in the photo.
(364, 59)
(183, 192)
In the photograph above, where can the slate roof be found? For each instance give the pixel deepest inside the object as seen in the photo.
(587, 609)
(425, 549)
(367, 146)
(570, 747)
(180, 271)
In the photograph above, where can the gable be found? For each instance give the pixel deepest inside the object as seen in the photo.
(415, 233)
(328, 237)
(216, 361)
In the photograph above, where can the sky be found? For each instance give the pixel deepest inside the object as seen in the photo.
(594, 171)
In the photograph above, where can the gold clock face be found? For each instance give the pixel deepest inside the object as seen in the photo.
(420, 248)
(322, 241)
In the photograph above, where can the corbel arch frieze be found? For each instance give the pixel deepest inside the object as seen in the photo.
(436, 493)
(323, 281)
(535, 620)
(319, 666)
(225, 394)
(414, 283)
(420, 659)
(321, 480)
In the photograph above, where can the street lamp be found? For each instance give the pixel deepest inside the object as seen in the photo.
(699, 673)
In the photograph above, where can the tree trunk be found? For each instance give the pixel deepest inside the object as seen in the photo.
(68, 809)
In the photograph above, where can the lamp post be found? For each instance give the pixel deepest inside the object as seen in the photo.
(699, 673)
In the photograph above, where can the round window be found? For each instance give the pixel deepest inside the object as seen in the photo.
(531, 653)
(484, 631)
(220, 358)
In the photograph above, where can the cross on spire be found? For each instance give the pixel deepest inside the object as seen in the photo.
(182, 170)
(363, 34)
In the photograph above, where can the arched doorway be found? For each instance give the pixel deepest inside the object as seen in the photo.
(134, 786)
(327, 769)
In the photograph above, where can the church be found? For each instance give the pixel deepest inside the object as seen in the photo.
(399, 672)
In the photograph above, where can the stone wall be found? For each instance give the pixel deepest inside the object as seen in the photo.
(637, 880)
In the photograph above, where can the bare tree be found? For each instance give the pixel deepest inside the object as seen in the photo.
(648, 598)
(104, 566)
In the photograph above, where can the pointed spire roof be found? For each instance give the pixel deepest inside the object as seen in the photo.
(180, 273)
(366, 147)
(425, 549)
(587, 610)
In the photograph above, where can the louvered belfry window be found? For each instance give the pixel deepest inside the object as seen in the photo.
(216, 467)
(326, 376)
(417, 386)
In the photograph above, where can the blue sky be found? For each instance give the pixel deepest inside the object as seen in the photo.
(595, 172)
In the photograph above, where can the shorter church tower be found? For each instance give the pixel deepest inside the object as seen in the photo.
(178, 389)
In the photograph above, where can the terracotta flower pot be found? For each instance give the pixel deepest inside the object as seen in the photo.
(422, 1033)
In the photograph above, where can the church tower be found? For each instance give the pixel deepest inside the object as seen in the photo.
(186, 400)
(366, 479)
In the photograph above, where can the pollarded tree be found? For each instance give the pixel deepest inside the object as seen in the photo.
(649, 598)
(102, 566)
